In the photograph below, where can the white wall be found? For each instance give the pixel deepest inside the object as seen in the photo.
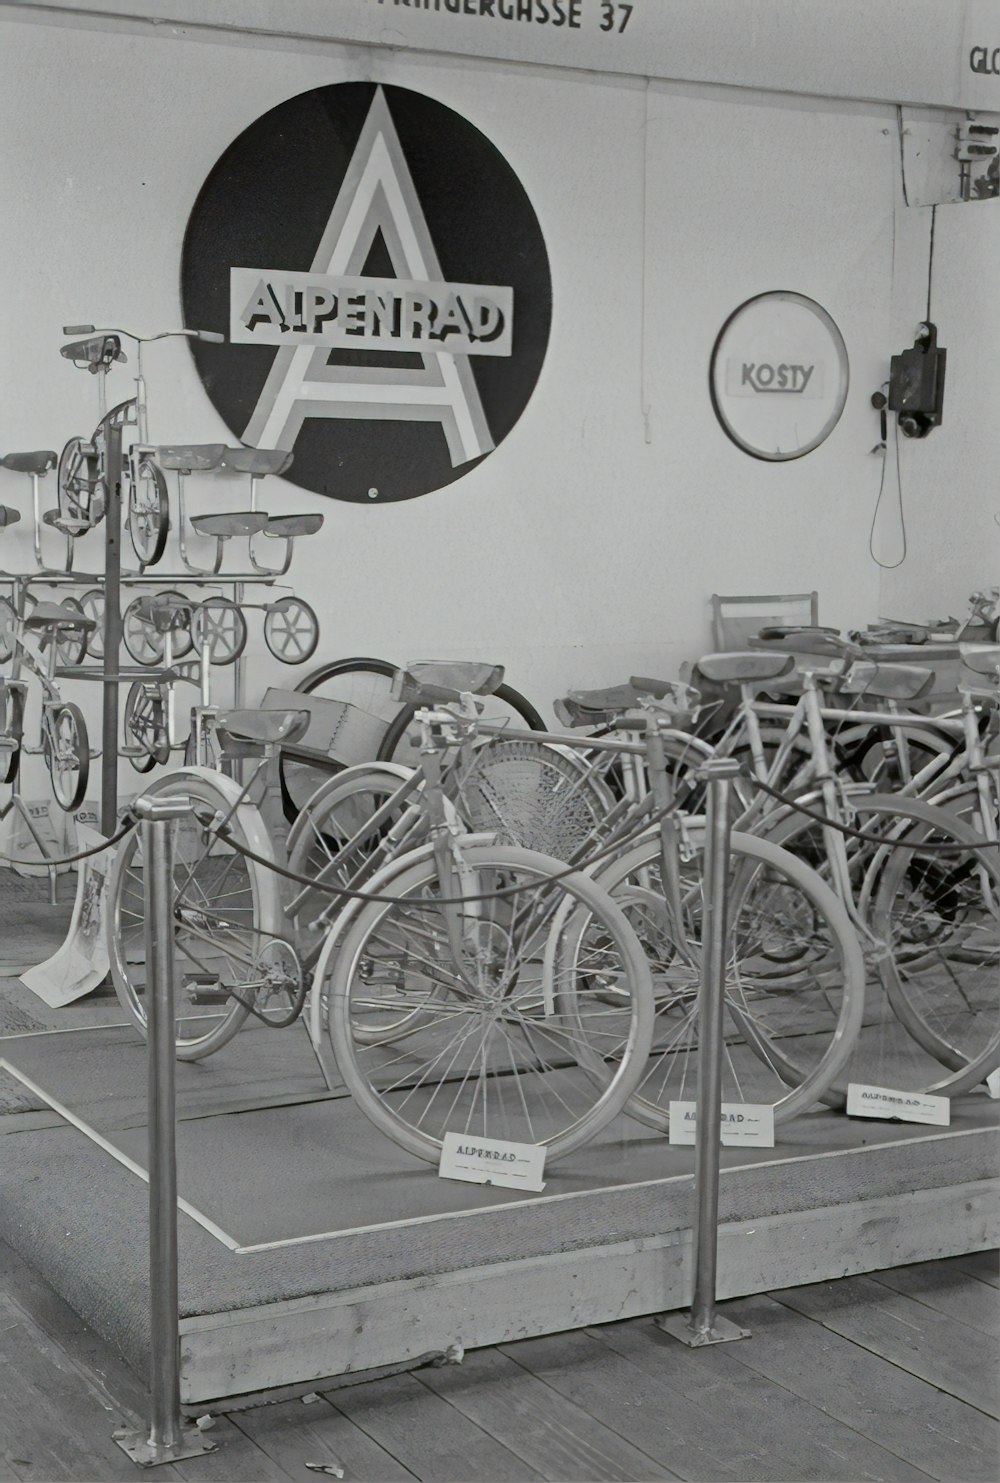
(588, 544)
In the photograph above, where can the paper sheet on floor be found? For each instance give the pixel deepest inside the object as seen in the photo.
(81, 963)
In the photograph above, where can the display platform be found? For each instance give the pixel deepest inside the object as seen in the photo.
(311, 1246)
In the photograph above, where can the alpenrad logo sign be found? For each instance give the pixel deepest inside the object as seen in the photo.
(383, 281)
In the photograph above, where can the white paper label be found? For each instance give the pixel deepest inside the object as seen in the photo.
(744, 1124)
(887, 1102)
(491, 1161)
(993, 1083)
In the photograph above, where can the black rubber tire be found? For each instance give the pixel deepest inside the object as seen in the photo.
(158, 544)
(12, 725)
(71, 801)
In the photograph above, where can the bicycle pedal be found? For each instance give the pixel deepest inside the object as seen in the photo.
(201, 989)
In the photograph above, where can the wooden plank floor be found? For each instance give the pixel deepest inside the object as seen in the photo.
(890, 1376)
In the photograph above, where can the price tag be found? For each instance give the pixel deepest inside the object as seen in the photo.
(888, 1103)
(744, 1124)
(993, 1083)
(492, 1161)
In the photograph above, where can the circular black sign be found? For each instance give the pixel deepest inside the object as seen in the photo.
(393, 299)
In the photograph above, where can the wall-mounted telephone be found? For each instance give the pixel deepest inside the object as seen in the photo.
(916, 384)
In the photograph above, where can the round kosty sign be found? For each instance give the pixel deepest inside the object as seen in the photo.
(779, 375)
(383, 284)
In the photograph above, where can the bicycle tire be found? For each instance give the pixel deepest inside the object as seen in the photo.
(225, 909)
(144, 719)
(535, 1092)
(69, 765)
(397, 735)
(9, 625)
(893, 1048)
(71, 643)
(939, 916)
(769, 990)
(92, 603)
(78, 454)
(12, 729)
(149, 520)
(283, 638)
(335, 814)
(213, 619)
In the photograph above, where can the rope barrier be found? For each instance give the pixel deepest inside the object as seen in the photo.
(615, 847)
(959, 848)
(49, 860)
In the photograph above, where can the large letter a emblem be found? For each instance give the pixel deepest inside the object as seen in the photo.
(377, 196)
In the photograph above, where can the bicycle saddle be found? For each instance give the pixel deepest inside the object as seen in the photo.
(163, 612)
(739, 668)
(256, 460)
(293, 525)
(982, 659)
(37, 462)
(445, 680)
(190, 458)
(263, 726)
(8, 516)
(590, 707)
(94, 353)
(887, 681)
(52, 615)
(232, 523)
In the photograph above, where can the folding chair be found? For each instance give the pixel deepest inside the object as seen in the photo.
(736, 619)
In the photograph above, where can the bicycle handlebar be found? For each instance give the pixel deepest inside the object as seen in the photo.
(211, 337)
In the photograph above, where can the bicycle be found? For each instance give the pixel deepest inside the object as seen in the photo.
(63, 741)
(440, 984)
(884, 884)
(84, 474)
(921, 887)
(370, 812)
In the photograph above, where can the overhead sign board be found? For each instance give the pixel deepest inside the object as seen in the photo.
(933, 52)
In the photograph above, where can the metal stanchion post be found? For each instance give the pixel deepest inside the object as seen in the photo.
(168, 1437)
(703, 1325)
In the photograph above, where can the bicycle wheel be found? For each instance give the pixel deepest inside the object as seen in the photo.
(67, 753)
(8, 629)
(78, 478)
(529, 794)
(936, 914)
(291, 630)
(794, 978)
(888, 757)
(92, 603)
(222, 624)
(142, 639)
(145, 724)
(71, 643)
(148, 513)
(11, 731)
(491, 1048)
(505, 707)
(339, 812)
(225, 910)
(364, 684)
